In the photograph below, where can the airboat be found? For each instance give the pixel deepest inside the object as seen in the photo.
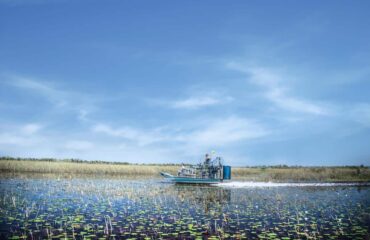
(210, 171)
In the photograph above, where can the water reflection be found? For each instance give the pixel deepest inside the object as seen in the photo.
(206, 196)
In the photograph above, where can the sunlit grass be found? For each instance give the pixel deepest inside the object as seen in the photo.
(61, 167)
(298, 174)
(292, 174)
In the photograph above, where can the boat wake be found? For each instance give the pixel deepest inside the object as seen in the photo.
(275, 184)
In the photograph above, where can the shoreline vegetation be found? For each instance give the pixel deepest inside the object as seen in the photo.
(279, 173)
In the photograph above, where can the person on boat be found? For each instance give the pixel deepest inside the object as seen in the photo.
(181, 171)
(207, 159)
(207, 162)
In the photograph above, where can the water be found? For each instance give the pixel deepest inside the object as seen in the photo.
(36, 208)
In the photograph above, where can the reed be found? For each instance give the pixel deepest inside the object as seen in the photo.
(280, 174)
(32, 166)
(304, 174)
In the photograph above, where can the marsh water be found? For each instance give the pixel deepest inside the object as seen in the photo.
(86, 208)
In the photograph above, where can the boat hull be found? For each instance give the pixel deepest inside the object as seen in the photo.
(188, 180)
(195, 180)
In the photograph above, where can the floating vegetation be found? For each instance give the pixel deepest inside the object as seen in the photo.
(148, 209)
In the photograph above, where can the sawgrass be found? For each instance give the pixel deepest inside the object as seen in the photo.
(62, 167)
(280, 174)
(304, 174)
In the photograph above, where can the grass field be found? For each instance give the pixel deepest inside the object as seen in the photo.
(280, 174)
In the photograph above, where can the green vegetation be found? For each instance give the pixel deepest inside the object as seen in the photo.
(272, 173)
(146, 209)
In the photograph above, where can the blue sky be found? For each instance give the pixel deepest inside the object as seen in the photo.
(259, 82)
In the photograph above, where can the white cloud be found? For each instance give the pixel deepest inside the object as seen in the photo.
(31, 128)
(211, 132)
(272, 81)
(20, 135)
(54, 95)
(221, 132)
(189, 140)
(280, 98)
(12, 139)
(196, 102)
(78, 103)
(139, 136)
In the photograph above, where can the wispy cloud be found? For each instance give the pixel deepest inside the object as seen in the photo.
(196, 101)
(272, 82)
(31, 128)
(207, 133)
(51, 93)
(279, 97)
(35, 140)
(137, 136)
(224, 131)
(128, 143)
(20, 135)
(63, 100)
(7, 139)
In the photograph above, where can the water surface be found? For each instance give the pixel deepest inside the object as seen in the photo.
(83, 208)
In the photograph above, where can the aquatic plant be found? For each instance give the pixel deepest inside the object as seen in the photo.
(148, 209)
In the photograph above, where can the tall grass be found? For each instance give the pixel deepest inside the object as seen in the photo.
(293, 174)
(34, 166)
(298, 174)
